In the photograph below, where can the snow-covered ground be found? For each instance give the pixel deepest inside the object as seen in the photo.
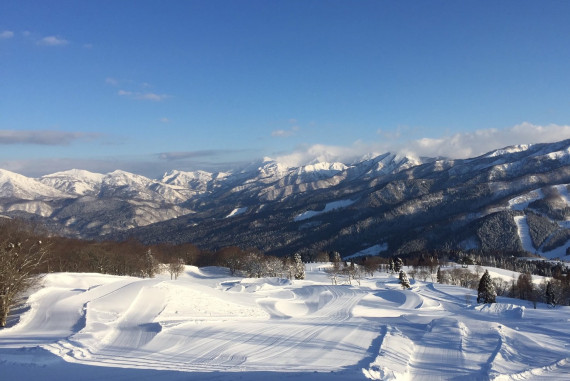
(208, 325)
(369, 251)
(329, 207)
(236, 212)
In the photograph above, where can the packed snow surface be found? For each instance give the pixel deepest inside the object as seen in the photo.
(209, 325)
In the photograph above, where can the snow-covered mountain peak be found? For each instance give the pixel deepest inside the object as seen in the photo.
(322, 166)
(121, 178)
(74, 182)
(390, 163)
(272, 169)
(509, 150)
(195, 182)
(13, 185)
(78, 174)
(182, 178)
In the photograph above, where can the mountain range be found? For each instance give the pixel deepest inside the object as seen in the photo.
(510, 200)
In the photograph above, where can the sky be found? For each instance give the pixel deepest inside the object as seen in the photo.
(151, 86)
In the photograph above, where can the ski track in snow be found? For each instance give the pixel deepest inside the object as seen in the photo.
(524, 233)
(90, 326)
(522, 202)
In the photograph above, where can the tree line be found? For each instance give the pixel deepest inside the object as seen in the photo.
(26, 253)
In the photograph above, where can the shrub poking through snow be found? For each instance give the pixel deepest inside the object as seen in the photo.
(486, 291)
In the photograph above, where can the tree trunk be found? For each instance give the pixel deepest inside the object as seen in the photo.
(4, 311)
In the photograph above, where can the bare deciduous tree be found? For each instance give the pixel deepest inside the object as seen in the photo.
(20, 258)
(176, 267)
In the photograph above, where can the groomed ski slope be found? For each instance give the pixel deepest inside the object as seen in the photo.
(208, 325)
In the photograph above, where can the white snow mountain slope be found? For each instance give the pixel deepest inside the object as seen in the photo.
(91, 204)
(321, 206)
(208, 325)
(15, 186)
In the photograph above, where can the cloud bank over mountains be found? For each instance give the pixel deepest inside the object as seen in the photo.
(457, 146)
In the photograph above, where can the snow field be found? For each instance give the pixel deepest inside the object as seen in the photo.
(208, 325)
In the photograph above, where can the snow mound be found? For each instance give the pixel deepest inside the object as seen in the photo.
(510, 311)
(255, 284)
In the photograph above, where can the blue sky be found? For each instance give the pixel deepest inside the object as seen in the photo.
(148, 86)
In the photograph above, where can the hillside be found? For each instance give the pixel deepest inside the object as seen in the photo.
(208, 325)
(433, 205)
(511, 200)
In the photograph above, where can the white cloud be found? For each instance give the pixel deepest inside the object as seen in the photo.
(44, 137)
(165, 120)
(6, 34)
(111, 81)
(151, 96)
(323, 153)
(143, 96)
(470, 144)
(457, 146)
(285, 133)
(52, 41)
(282, 133)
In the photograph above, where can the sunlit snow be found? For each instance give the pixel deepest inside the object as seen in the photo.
(328, 208)
(236, 212)
(209, 325)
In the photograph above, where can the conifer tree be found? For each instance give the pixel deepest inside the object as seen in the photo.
(550, 296)
(299, 267)
(404, 281)
(439, 275)
(398, 264)
(486, 292)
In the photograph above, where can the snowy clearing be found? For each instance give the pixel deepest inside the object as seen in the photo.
(237, 212)
(372, 250)
(208, 325)
(328, 208)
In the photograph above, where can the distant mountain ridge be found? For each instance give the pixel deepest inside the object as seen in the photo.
(397, 203)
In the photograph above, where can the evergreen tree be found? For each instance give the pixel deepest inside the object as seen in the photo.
(404, 281)
(439, 275)
(486, 292)
(550, 296)
(398, 264)
(299, 267)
